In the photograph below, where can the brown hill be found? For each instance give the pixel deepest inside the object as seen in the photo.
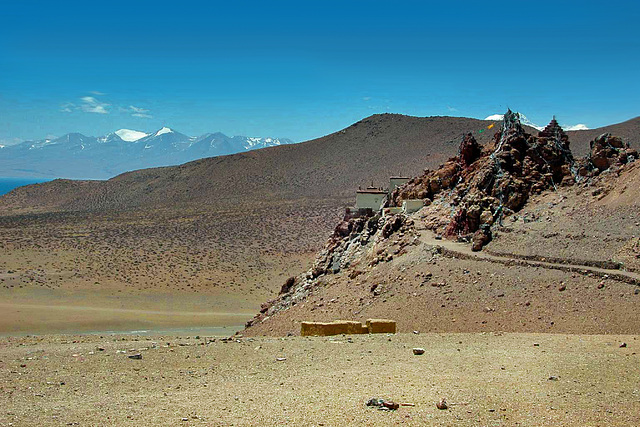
(329, 167)
(557, 242)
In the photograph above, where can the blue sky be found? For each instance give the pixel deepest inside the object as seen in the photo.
(305, 69)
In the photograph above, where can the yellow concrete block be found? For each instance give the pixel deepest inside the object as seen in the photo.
(324, 329)
(381, 326)
(355, 328)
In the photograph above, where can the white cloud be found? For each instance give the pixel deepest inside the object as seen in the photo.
(95, 92)
(67, 107)
(366, 98)
(452, 109)
(137, 112)
(579, 126)
(92, 105)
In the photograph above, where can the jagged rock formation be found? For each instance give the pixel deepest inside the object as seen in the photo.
(483, 185)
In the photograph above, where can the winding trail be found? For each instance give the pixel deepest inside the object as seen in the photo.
(463, 250)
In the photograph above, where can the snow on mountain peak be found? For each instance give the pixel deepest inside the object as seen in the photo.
(163, 131)
(130, 135)
(579, 126)
(525, 121)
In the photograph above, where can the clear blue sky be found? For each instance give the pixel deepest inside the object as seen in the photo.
(306, 68)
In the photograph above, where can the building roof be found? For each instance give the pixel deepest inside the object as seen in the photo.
(371, 191)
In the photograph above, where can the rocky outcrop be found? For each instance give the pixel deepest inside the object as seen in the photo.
(353, 241)
(483, 185)
(607, 152)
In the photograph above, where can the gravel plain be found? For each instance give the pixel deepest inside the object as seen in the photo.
(486, 378)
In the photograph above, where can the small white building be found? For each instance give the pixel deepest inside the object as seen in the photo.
(410, 206)
(397, 181)
(371, 198)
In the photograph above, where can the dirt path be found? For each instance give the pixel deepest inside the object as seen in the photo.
(463, 250)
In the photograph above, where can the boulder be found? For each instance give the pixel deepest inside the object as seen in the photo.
(480, 238)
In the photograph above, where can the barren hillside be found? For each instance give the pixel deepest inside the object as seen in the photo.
(559, 242)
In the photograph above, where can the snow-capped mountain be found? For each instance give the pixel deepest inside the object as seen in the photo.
(78, 156)
(130, 135)
(525, 121)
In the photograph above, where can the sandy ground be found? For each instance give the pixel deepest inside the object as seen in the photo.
(81, 272)
(488, 379)
(55, 290)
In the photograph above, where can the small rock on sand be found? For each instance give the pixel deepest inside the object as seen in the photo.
(418, 351)
(442, 404)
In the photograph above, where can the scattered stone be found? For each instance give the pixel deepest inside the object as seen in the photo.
(385, 405)
(623, 345)
(136, 356)
(535, 344)
(280, 359)
(442, 404)
(562, 288)
(601, 285)
(553, 378)
(418, 351)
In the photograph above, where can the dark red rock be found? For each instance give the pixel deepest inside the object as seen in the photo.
(470, 150)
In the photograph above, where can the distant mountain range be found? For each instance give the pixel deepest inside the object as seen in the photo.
(86, 157)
